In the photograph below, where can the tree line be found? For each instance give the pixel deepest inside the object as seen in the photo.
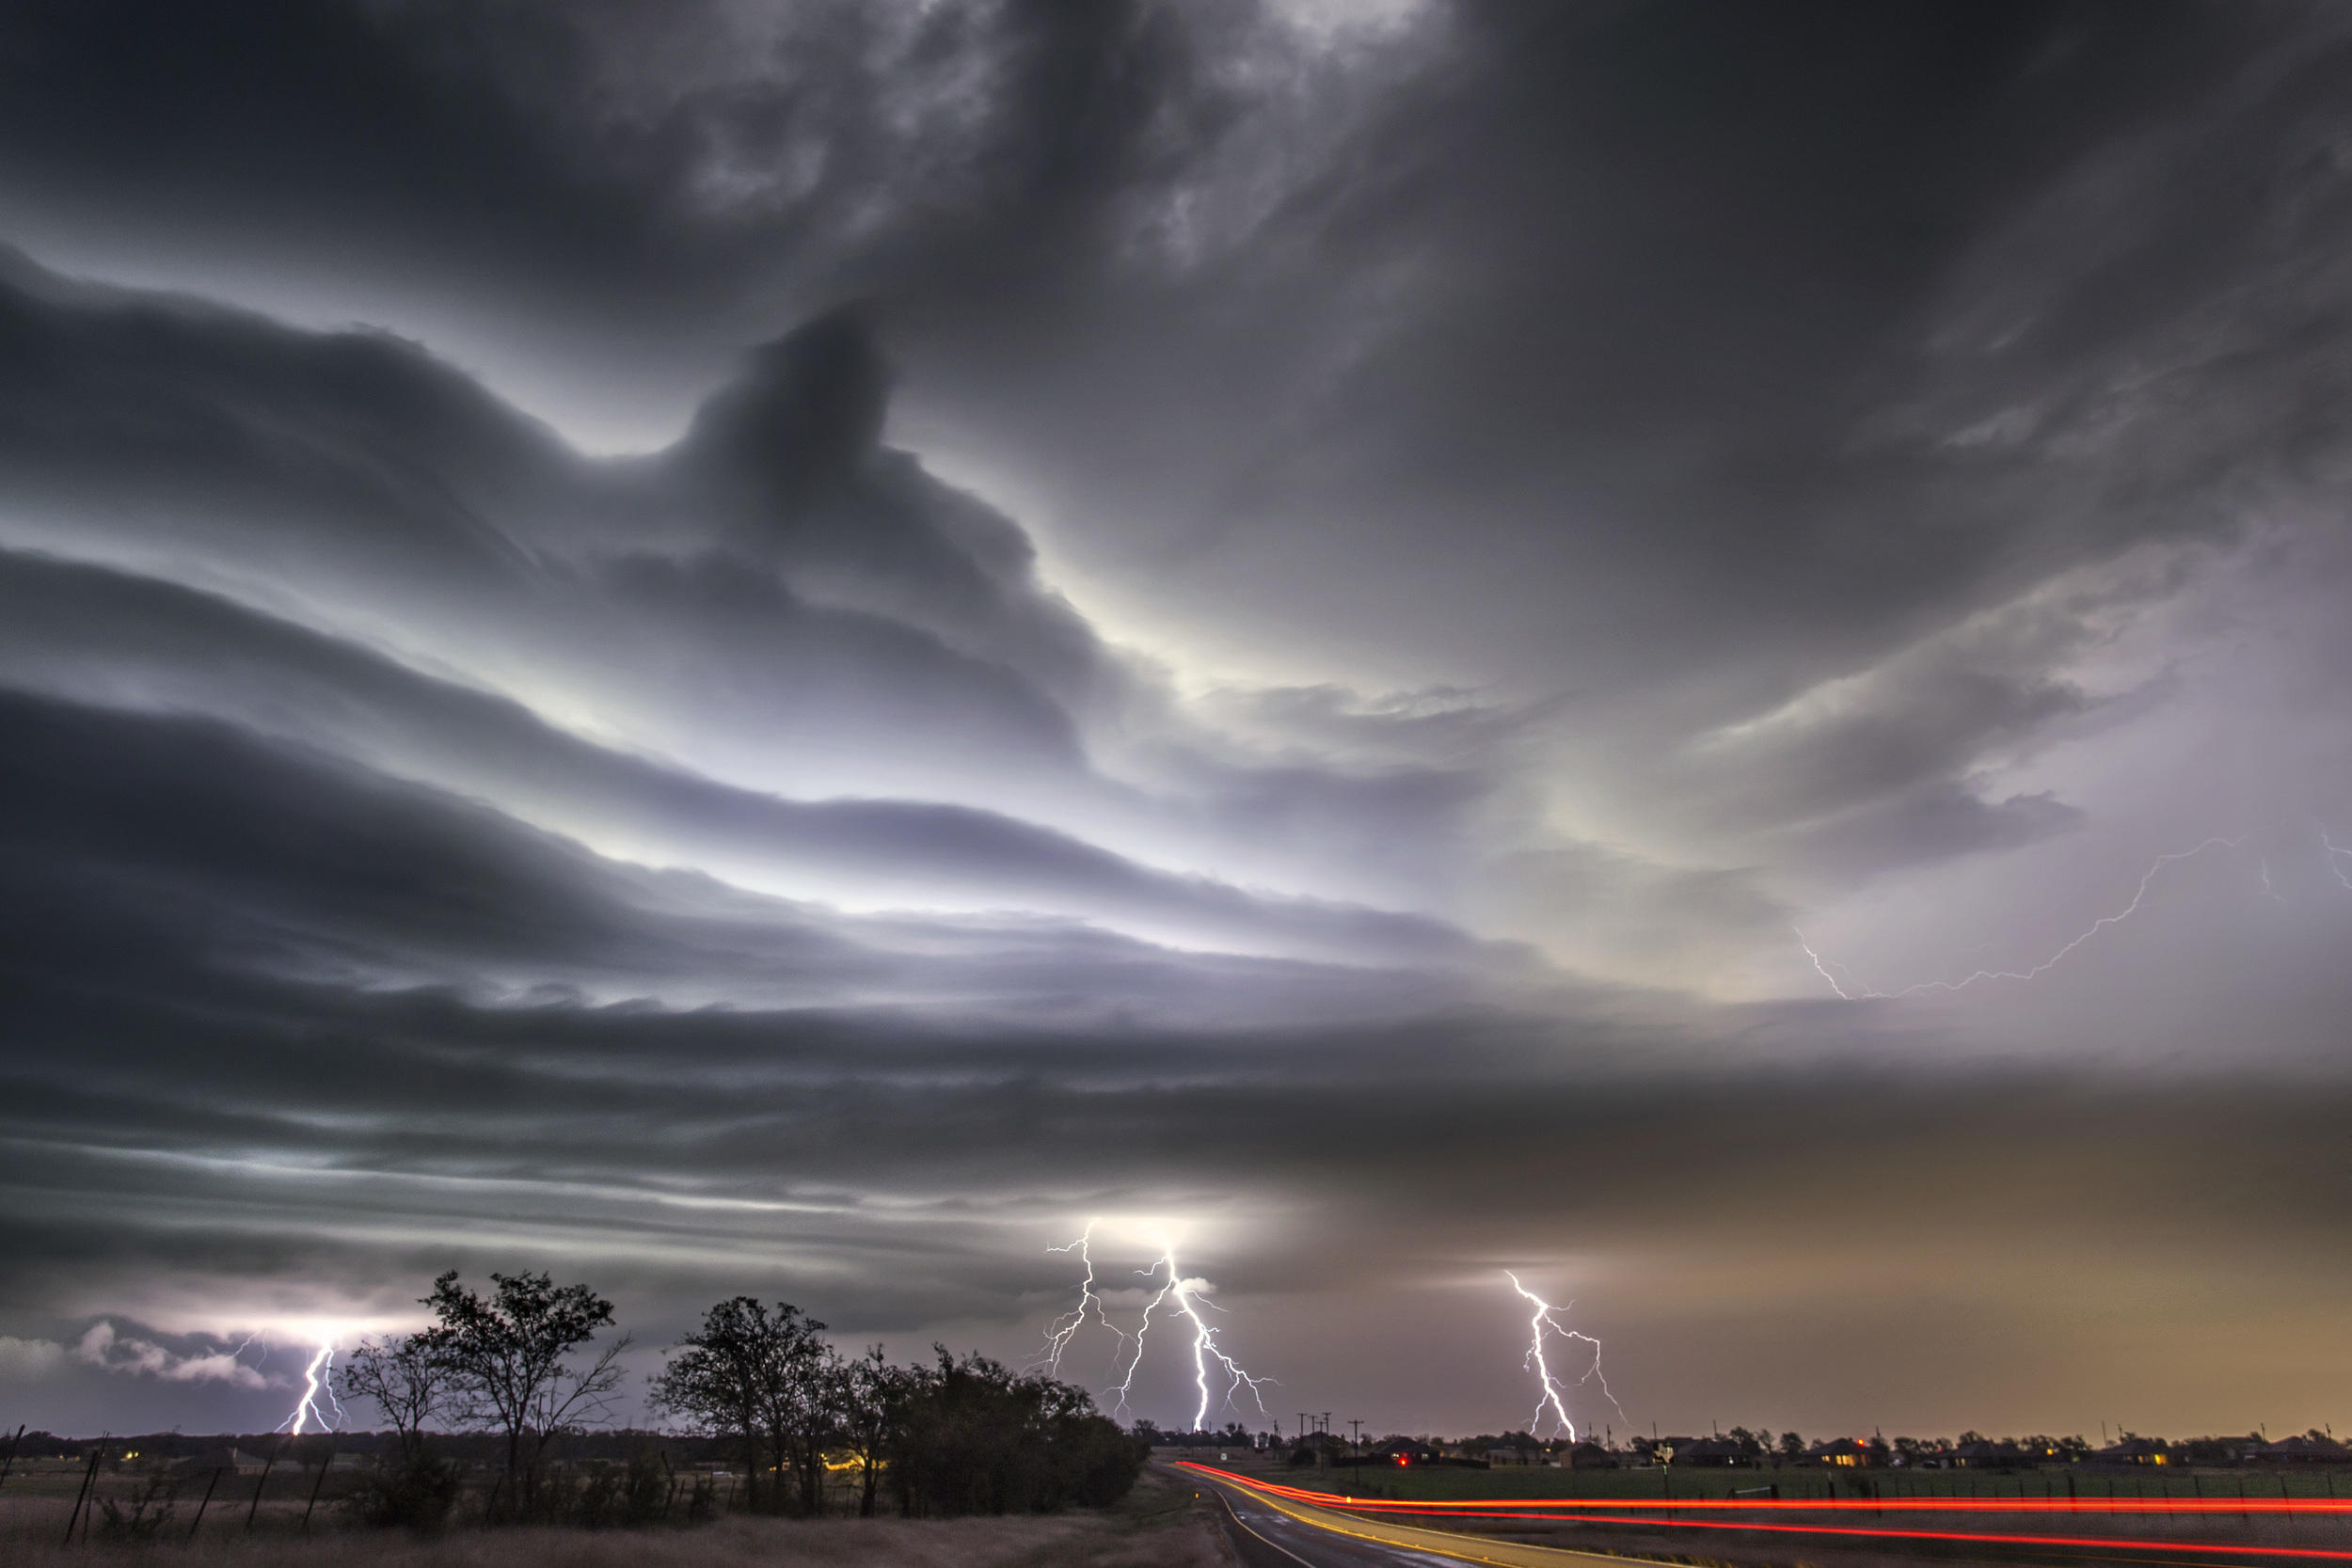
(956, 1436)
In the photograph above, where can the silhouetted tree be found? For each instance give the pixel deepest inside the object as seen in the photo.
(716, 1381)
(793, 1389)
(867, 1398)
(974, 1438)
(402, 1378)
(505, 1360)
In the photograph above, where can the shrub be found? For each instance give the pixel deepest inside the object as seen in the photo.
(414, 1491)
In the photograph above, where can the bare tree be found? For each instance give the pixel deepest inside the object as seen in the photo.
(400, 1378)
(505, 1359)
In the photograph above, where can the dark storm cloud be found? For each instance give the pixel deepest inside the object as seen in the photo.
(1619, 479)
(1610, 343)
(779, 566)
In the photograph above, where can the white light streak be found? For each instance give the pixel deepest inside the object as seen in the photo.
(1864, 992)
(2332, 853)
(316, 1383)
(1183, 1295)
(1550, 1389)
(1062, 1329)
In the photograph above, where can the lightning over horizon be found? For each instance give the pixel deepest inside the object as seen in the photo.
(1541, 1325)
(1188, 1296)
(1062, 1329)
(316, 1383)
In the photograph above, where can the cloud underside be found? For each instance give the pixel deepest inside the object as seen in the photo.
(1519, 515)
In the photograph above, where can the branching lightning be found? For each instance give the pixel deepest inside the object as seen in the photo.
(1862, 993)
(1189, 1302)
(2335, 856)
(1550, 1389)
(1181, 1295)
(1062, 1329)
(316, 1385)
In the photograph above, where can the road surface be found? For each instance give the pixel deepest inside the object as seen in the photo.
(1274, 1532)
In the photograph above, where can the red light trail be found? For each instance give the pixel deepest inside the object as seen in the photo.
(1674, 1513)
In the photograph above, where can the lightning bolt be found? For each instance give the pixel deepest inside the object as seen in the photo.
(1843, 995)
(2332, 853)
(1188, 1300)
(1549, 1388)
(315, 1383)
(2138, 895)
(1062, 1329)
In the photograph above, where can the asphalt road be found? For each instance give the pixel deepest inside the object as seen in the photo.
(1268, 1532)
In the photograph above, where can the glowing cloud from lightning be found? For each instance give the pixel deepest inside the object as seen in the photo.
(1862, 993)
(106, 1347)
(1543, 1325)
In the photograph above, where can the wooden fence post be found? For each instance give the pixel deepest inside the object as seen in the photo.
(267, 1465)
(89, 1478)
(323, 1462)
(206, 1503)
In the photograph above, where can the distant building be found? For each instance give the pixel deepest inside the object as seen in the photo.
(1712, 1452)
(1842, 1453)
(1988, 1456)
(2304, 1451)
(1588, 1456)
(2134, 1450)
(1404, 1451)
(1660, 1451)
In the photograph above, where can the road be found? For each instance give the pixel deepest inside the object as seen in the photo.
(1274, 1532)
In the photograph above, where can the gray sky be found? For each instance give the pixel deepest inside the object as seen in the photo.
(1694, 650)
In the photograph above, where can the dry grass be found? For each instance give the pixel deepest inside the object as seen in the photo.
(1159, 1526)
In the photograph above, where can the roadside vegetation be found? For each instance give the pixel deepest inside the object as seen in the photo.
(499, 1421)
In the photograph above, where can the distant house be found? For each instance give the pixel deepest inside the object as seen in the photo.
(1988, 1456)
(1588, 1456)
(1712, 1452)
(1660, 1451)
(1843, 1452)
(2219, 1450)
(2304, 1451)
(2134, 1450)
(1404, 1451)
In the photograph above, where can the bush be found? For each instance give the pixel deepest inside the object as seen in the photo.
(143, 1516)
(613, 1495)
(970, 1437)
(414, 1492)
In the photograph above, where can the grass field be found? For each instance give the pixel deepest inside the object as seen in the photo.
(1158, 1526)
(1446, 1485)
